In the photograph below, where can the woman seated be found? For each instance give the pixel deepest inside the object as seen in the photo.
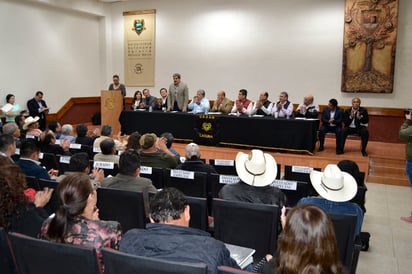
(307, 243)
(77, 219)
(18, 213)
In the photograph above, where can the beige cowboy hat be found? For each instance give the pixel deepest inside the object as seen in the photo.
(29, 120)
(333, 184)
(256, 168)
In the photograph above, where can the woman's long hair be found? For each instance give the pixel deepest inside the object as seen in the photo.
(12, 186)
(73, 192)
(308, 243)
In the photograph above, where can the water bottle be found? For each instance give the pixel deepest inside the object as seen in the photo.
(150, 108)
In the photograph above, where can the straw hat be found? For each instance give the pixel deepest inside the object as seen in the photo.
(29, 120)
(256, 168)
(334, 184)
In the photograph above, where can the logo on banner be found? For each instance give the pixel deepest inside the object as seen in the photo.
(138, 68)
(206, 126)
(138, 26)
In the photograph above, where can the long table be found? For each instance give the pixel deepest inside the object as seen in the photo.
(299, 135)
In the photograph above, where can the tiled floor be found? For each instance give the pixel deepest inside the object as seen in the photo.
(390, 250)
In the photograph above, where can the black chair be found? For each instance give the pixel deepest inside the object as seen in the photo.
(217, 181)
(196, 187)
(126, 207)
(247, 224)
(198, 213)
(348, 243)
(295, 193)
(7, 265)
(360, 197)
(83, 148)
(226, 167)
(116, 262)
(49, 161)
(32, 182)
(303, 175)
(53, 204)
(63, 162)
(40, 256)
(156, 174)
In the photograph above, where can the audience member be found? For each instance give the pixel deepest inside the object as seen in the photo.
(332, 117)
(283, 107)
(29, 161)
(352, 168)
(106, 132)
(169, 142)
(199, 103)
(31, 127)
(17, 214)
(262, 106)
(128, 177)
(82, 137)
(242, 104)
(48, 144)
(13, 130)
(356, 121)
(178, 95)
(14, 110)
(154, 152)
(137, 102)
(193, 161)
(307, 109)
(7, 146)
(222, 104)
(169, 236)
(336, 188)
(108, 152)
(307, 243)
(405, 133)
(133, 142)
(76, 221)
(19, 119)
(79, 162)
(257, 171)
(164, 96)
(38, 108)
(67, 133)
(159, 105)
(55, 127)
(116, 85)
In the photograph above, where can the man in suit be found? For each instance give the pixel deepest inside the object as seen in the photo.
(332, 117)
(38, 107)
(222, 104)
(356, 121)
(29, 161)
(178, 94)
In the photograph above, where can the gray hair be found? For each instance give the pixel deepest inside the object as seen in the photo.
(67, 129)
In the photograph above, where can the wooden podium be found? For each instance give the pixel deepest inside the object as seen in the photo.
(111, 104)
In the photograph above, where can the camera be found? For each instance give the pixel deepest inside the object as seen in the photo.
(407, 110)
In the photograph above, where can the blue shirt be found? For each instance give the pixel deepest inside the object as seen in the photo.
(337, 207)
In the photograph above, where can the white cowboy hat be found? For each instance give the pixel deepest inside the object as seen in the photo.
(334, 184)
(256, 168)
(30, 120)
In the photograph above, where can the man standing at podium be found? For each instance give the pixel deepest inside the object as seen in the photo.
(117, 86)
(178, 94)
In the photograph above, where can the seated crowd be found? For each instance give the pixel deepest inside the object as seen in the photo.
(167, 235)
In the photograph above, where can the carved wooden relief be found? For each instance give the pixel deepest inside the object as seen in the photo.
(369, 45)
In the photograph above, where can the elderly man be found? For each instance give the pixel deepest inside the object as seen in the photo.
(193, 161)
(155, 153)
(356, 121)
(13, 130)
(199, 104)
(7, 146)
(308, 109)
(283, 108)
(222, 104)
(169, 236)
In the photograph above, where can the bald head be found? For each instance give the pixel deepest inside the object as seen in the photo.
(308, 99)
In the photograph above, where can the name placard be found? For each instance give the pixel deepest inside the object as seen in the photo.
(146, 170)
(75, 146)
(65, 159)
(228, 179)
(302, 169)
(178, 173)
(285, 184)
(104, 165)
(220, 162)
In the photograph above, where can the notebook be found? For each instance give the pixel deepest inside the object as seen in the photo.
(242, 255)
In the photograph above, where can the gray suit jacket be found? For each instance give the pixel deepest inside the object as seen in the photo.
(182, 96)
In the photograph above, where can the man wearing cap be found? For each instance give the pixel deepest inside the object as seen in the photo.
(336, 188)
(38, 107)
(193, 162)
(257, 171)
(155, 153)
